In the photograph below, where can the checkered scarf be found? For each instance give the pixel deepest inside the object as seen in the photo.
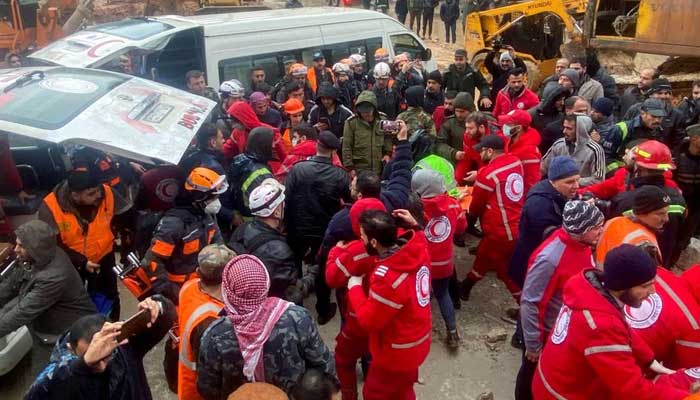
(244, 287)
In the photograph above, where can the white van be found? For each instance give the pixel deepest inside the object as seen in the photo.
(227, 46)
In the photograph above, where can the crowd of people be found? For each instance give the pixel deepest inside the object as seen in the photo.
(582, 200)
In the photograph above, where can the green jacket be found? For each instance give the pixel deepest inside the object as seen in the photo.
(442, 167)
(415, 118)
(450, 140)
(466, 81)
(364, 144)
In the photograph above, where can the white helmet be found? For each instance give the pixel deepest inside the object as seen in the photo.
(357, 59)
(232, 88)
(265, 198)
(381, 71)
(340, 68)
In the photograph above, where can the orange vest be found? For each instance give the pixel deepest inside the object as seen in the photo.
(311, 77)
(621, 230)
(98, 241)
(195, 306)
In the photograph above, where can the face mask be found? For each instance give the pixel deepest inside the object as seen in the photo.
(507, 129)
(295, 142)
(213, 207)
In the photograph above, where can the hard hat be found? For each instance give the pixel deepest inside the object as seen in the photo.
(298, 70)
(293, 106)
(232, 88)
(345, 61)
(340, 68)
(652, 154)
(381, 55)
(382, 71)
(206, 181)
(265, 198)
(357, 59)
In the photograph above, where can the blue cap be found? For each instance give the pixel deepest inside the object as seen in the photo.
(318, 55)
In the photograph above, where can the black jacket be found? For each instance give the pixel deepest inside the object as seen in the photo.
(672, 126)
(340, 114)
(687, 174)
(315, 188)
(432, 101)
(551, 133)
(206, 158)
(257, 154)
(449, 11)
(67, 377)
(608, 83)
(388, 101)
(545, 112)
(500, 76)
(466, 81)
(690, 110)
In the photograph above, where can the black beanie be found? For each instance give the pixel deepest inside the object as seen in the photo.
(649, 198)
(80, 179)
(627, 266)
(415, 95)
(435, 76)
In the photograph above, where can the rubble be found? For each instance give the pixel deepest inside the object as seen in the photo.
(485, 396)
(496, 335)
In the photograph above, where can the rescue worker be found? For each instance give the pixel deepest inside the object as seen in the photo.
(477, 127)
(297, 73)
(304, 138)
(287, 61)
(345, 85)
(515, 96)
(592, 353)
(434, 95)
(357, 65)
(83, 212)
(184, 231)
(294, 111)
(645, 125)
(260, 337)
(319, 73)
(497, 200)
(200, 304)
(329, 114)
(564, 254)
(451, 137)
(687, 174)
(523, 142)
(462, 77)
(689, 107)
(445, 110)
(208, 151)
(365, 145)
(396, 314)
(244, 121)
(445, 220)
(230, 92)
(407, 74)
(388, 98)
(265, 113)
(415, 116)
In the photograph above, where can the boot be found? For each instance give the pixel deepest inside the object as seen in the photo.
(466, 289)
(517, 342)
(453, 340)
(326, 315)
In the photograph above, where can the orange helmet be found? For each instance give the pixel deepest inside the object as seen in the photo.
(381, 55)
(298, 70)
(206, 181)
(653, 155)
(293, 106)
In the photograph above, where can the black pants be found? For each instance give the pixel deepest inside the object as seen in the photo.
(415, 17)
(523, 383)
(688, 230)
(102, 286)
(451, 27)
(306, 250)
(428, 16)
(402, 18)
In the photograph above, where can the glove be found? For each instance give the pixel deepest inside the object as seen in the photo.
(354, 281)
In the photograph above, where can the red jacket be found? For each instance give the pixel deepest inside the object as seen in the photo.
(397, 314)
(504, 104)
(300, 152)
(445, 219)
(668, 322)
(617, 184)
(439, 117)
(527, 150)
(235, 144)
(592, 353)
(498, 197)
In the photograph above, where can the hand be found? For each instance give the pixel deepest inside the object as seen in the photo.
(486, 102)
(354, 281)
(92, 267)
(24, 196)
(511, 50)
(595, 136)
(406, 216)
(459, 156)
(405, 67)
(403, 130)
(342, 244)
(102, 345)
(386, 159)
(353, 174)
(137, 168)
(532, 356)
(321, 126)
(470, 177)
(153, 307)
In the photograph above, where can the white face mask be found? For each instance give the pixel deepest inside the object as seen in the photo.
(295, 141)
(507, 129)
(213, 207)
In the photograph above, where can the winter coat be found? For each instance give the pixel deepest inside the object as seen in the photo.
(690, 110)
(619, 183)
(417, 119)
(672, 129)
(302, 151)
(388, 100)
(271, 117)
(396, 314)
(450, 139)
(466, 81)
(586, 152)
(429, 6)
(415, 4)
(247, 121)
(445, 220)
(608, 83)
(590, 90)
(449, 11)
(254, 161)
(339, 116)
(401, 7)
(293, 347)
(315, 191)
(364, 143)
(500, 76)
(206, 158)
(526, 149)
(631, 96)
(551, 132)
(592, 352)
(546, 112)
(432, 101)
(45, 293)
(68, 377)
(405, 80)
(606, 129)
(687, 174)
(541, 215)
(552, 264)
(505, 103)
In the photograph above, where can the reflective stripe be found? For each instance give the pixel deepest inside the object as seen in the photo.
(249, 180)
(676, 209)
(440, 263)
(502, 208)
(342, 268)
(623, 128)
(180, 278)
(185, 337)
(412, 344)
(360, 257)
(530, 161)
(589, 319)
(693, 322)
(633, 235)
(613, 166)
(384, 301)
(695, 345)
(481, 185)
(547, 386)
(399, 280)
(607, 349)
(162, 249)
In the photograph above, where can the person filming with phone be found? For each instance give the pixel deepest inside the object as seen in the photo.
(96, 359)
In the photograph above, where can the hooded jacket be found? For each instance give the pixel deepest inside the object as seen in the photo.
(527, 150)
(415, 117)
(433, 101)
(364, 143)
(238, 141)
(546, 112)
(339, 116)
(445, 220)
(586, 152)
(254, 161)
(46, 293)
(592, 353)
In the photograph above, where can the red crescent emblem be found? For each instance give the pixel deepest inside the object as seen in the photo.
(92, 52)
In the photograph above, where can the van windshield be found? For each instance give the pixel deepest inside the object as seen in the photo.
(133, 28)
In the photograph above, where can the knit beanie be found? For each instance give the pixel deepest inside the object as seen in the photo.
(580, 216)
(627, 266)
(573, 76)
(435, 76)
(693, 130)
(464, 101)
(257, 98)
(505, 56)
(427, 183)
(80, 179)
(415, 95)
(649, 198)
(562, 167)
(604, 106)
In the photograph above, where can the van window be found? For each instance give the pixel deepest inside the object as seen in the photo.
(133, 28)
(406, 43)
(182, 53)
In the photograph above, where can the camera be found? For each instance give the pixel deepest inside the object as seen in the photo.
(389, 126)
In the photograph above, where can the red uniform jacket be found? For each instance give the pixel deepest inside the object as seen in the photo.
(396, 313)
(498, 197)
(592, 353)
(668, 321)
(439, 117)
(300, 152)
(525, 147)
(504, 104)
(445, 219)
(235, 144)
(617, 184)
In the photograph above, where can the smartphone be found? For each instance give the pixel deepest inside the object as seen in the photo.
(137, 323)
(325, 120)
(388, 126)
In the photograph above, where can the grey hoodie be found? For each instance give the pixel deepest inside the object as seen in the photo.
(586, 152)
(46, 293)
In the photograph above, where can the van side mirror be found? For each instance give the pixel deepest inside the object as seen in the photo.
(426, 54)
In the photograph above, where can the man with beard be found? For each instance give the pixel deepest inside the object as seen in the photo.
(515, 96)
(388, 97)
(507, 61)
(434, 95)
(445, 110)
(592, 351)
(208, 154)
(603, 126)
(639, 93)
(462, 77)
(451, 136)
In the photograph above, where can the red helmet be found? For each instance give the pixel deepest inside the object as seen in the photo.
(653, 155)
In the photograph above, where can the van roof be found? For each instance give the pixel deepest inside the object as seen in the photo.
(223, 24)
